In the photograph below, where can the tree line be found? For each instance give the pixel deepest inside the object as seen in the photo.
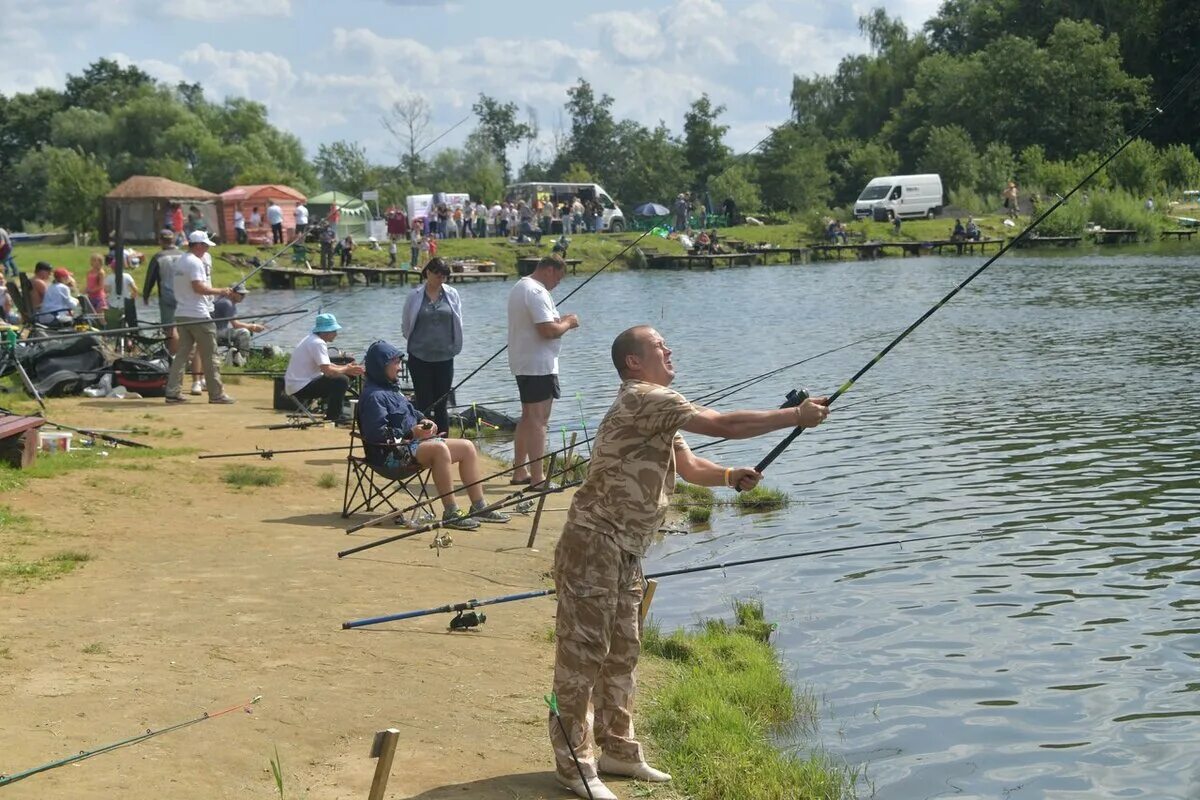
(985, 91)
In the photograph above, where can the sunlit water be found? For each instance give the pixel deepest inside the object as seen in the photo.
(1048, 413)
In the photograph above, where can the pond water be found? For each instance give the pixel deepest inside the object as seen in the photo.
(1048, 413)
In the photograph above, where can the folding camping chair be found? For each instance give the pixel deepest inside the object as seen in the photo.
(368, 490)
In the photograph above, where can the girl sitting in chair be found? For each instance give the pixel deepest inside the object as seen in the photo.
(398, 440)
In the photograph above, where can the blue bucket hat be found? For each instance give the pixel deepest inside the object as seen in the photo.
(326, 323)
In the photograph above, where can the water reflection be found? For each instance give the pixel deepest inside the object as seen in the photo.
(1051, 408)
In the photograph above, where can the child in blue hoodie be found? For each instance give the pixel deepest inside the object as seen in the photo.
(395, 437)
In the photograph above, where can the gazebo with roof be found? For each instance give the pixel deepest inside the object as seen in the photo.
(145, 202)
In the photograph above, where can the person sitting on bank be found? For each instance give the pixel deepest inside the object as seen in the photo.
(972, 230)
(959, 233)
(396, 436)
(233, 332)
(59, 305)
(311, 374)
(836, 230)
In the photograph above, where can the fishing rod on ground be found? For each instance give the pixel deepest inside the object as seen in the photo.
(1011, 243)
(587, 440)
(5, 780)
(467, 605)
(95, 434)
(511, 500)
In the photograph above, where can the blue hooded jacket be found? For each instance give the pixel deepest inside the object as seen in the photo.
(384, 413)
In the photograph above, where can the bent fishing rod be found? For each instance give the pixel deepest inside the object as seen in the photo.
(723, 393)
(158, 325)
(1020, 237)
(5, 780)
(470, 604)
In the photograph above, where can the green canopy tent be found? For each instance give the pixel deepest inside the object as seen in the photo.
(354, 215)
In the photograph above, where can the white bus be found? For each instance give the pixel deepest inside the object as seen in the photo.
(613, 219)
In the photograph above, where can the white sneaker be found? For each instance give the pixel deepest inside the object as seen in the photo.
(599, 790)
(631, 769)
(198, 387)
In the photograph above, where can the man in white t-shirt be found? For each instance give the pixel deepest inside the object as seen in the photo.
(301, 219)
(310, 374)
(239, 225)
(194, 293)
(275, 218)
(534, 333)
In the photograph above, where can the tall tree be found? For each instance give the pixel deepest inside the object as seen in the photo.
(703, 141)
(499, 129)
(74, 190)
(105, 85)
(408, 121)
(792, 171)
(593, 138)
(344, 166)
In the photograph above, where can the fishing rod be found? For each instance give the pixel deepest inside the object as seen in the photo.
(267, 455)
(471, 604)
(158, 325)
(589, 439)
(1020, 237)
(5, 780)
(516, 498)
(87, 432)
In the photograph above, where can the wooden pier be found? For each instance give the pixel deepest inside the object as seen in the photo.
(379, 275)
(790, 255)
(288, 277)
(1183, 233)
(871, 250)
(705, 261)
(1115, 236)
(1049, 241)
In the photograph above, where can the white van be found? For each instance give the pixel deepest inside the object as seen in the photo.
(613, 219)
(901, 197)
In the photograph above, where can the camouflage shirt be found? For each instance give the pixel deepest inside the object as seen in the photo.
(632, 472)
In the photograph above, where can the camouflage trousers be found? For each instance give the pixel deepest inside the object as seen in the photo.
(599, 589)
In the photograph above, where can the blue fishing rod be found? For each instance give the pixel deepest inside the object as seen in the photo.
(468, 605)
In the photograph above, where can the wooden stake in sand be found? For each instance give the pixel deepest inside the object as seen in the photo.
(384, 749)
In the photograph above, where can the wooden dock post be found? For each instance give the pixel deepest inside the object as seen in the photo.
(537, 517)
(384, 749)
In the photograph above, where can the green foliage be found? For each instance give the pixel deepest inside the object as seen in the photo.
(689, 495)
(852, 164)
(20, 574)
(997, 166)
(1118, 210)
(737, 181)
(703, 148)
(499, 129)
(792, 171)
(950, 153)
(592, 138)
(76, 184)
(724, 700)
(1135, 169)
(277, 772)
(327, 480)
(650, 165)
(699, 514)
(1180, 169)
(242, 475)
(1068, 219)
(343, 166)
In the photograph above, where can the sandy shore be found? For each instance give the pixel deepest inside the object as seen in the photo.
(201, 595)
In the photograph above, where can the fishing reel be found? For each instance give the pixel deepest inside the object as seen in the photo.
(795, 397)
(467, 621)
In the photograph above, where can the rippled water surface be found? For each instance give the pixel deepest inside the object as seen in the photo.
(1048, 414)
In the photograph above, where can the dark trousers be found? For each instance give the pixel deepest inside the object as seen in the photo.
(431, 382)
(326, 255)
(333, 389)
(277, 233)
(240, 234)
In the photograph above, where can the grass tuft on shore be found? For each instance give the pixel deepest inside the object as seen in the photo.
(243, 475)
(23, 573)
(715, 716)
(53, 465)
(761, 498)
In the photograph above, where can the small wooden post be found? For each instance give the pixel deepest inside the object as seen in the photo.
(647, 598)
(384, 749)
(537, 517)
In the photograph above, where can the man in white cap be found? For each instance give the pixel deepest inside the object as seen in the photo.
(192, 281)
(310, 373)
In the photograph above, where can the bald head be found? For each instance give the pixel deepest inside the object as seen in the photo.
(629, 342)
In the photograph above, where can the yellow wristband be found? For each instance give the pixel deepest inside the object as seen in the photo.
(728, 475)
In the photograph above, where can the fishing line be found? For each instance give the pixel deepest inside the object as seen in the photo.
(1021, 237)
(132, 740)
(470, 604)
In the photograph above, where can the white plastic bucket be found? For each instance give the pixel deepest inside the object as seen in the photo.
(55, 441)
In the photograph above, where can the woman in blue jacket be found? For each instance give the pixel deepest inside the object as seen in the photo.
(432, 324)
(396, 436)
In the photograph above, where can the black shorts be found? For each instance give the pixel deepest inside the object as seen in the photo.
(537, 388)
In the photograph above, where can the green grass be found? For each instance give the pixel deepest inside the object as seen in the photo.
(94, 649)
(54, 465)
(20, 574)
(715, 717)
(699, 514)
(327, 480)
(241, 475)
(761, 498)
(10, 518)
(688, 495)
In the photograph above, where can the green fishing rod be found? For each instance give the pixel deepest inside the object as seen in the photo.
(470, 604)
(5, 780)
(1020, 237)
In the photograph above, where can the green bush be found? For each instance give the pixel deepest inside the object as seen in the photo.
(1068, 219)
(1122, 211)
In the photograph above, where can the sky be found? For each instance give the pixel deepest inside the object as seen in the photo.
(330, 71)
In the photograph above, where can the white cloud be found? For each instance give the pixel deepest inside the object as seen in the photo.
(225, 10)
(253, 74)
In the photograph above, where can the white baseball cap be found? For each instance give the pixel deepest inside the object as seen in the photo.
(200, 237)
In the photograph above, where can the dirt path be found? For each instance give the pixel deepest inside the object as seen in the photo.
(200, 596)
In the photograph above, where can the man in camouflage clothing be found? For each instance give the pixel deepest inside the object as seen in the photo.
(597, 564)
